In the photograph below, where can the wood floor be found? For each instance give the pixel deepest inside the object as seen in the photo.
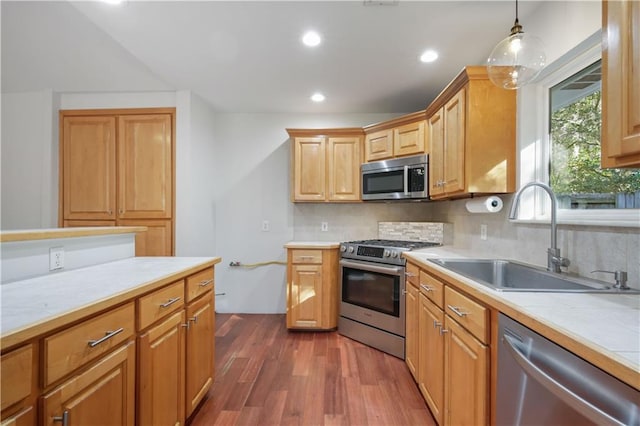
(266, 375)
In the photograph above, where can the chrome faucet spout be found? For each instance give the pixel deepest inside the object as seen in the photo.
(554, 260)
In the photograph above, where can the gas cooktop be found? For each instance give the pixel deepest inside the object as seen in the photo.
(381, 251)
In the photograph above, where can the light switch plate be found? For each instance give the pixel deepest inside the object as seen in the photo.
(56, 258)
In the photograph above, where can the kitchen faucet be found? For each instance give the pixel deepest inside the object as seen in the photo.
(554, 260)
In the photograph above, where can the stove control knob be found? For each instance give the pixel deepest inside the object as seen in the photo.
(394, 254)
(343, 248)
(350, 249)
(387, 253)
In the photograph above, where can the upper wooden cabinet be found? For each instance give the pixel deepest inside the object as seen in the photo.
(326, 164)
(396, 138)
(472, 137)
(620, 84)
(117, 166)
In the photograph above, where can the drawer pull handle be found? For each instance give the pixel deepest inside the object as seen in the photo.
(457, 311)
(443, 330)
(436, 324)
(108, 335)
(64, 418)
(170, 302)
(410, 274)
(206, 283)
(426, 287)
(194, 319)
(185, 325)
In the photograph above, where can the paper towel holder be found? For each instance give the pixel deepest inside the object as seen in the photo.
(491, 204)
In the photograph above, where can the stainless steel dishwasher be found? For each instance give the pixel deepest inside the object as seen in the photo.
(541, 383)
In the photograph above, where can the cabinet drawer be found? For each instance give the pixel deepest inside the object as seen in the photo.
(471, 315)
(306, 256)
(160, 303)
(76, 346)
(199, 283)
(412, 272)
(432, 288)
(16, 370)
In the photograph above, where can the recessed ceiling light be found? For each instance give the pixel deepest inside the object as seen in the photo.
(311, 39)
(429, 56)
(317, 97)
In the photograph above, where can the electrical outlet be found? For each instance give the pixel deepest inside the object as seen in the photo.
(483, 232)
(56, 258)
(324, 226)
(265, 226)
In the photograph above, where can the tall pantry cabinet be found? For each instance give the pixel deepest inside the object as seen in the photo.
(117, 169)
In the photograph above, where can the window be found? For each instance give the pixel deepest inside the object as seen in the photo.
(559, 141)
(575, 175)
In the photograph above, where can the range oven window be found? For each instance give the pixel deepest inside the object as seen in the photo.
(372, 290)
(383, 182)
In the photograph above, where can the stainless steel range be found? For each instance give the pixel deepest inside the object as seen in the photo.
(372, 288)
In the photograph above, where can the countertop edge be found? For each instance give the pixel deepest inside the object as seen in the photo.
(48, 234)
(21, 336)
(312, 245)
(599, 356)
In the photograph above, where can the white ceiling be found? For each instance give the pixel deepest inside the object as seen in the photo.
(247, 56)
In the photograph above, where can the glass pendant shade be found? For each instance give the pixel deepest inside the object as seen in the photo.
(517, 59)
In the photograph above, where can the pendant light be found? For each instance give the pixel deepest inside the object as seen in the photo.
(517, 59)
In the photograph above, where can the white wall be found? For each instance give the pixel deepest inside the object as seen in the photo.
(29, 152)
(252, 153)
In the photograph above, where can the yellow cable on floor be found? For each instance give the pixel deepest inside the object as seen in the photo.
(255, 265)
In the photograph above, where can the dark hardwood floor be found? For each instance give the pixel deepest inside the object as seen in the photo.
(266, 375)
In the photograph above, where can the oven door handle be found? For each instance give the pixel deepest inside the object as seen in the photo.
(391, 270)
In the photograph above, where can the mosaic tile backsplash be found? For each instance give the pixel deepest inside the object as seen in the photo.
(433, 232)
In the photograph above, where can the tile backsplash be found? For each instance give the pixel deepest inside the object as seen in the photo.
(433, 232)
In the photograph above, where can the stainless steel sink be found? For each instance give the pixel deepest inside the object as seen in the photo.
(507, 275)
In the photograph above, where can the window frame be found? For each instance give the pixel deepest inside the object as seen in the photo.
(533, 144)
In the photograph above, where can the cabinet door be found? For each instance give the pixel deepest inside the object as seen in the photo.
(26, 417)
(200, 350)
(411, 330)
(436, 157)
(88, 168)
(431, 353)
(156, 241)
(378, 146)
(305, 296)
(309, 170)
(409, 139)
(454, 138)
(145, 166)
(466, 377)
(104, 394)
(343, 155)
(161, 373)
(621, 84)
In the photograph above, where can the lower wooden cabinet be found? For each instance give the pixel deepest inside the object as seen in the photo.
(161, 373)
(200, 351)
(25, 417)
(312, 295)
(412, 334)
(103, 394)
(431, 355)
(466, 367)
(452, 350)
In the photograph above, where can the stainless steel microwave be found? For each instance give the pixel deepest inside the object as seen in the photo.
(399, 179)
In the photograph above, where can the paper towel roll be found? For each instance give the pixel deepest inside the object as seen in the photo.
(491, 204)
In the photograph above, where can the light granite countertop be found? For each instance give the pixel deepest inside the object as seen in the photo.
(602, 328)
(33, 306)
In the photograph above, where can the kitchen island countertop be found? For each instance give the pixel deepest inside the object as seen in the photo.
(35, 306)
(604, 329)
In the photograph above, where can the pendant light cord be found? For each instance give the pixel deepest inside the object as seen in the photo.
(517, 28)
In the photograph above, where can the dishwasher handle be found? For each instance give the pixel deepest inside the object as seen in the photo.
(570, 398)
